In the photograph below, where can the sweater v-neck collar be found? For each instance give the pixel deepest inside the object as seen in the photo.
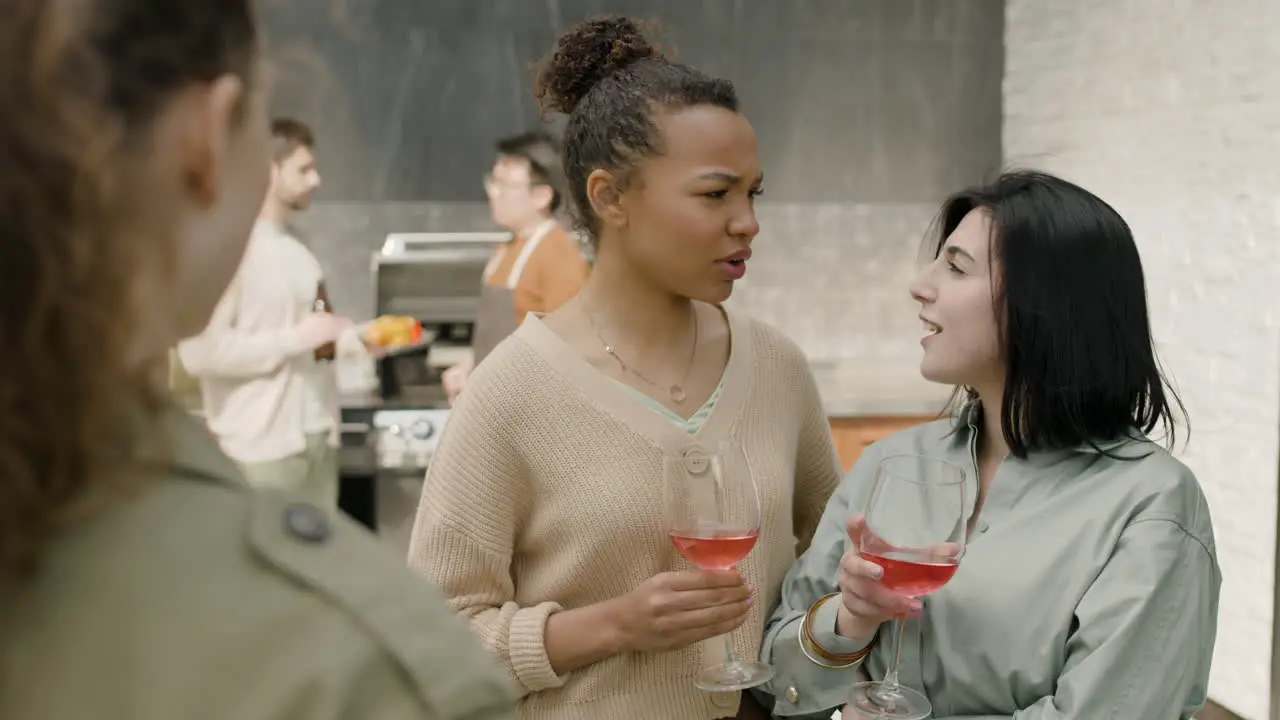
(609, 395)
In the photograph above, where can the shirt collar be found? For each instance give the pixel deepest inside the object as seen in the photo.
(1133, 445)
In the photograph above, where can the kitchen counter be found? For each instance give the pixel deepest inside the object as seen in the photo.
(849, 388)
(431, 397)
(880, 387)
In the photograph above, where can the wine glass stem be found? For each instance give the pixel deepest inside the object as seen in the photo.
(730, 655)
(890, 688)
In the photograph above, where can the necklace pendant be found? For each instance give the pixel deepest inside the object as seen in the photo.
(677, 393)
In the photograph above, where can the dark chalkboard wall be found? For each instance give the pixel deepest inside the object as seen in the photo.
(854, 100)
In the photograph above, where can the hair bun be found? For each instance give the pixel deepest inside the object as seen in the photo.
(586, 54)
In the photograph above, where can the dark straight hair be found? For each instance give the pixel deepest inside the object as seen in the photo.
(1071, 307)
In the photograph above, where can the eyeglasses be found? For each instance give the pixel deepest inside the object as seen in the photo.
(494, 187)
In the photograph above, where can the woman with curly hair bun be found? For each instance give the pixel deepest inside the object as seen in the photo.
(542, 513)
(139, 577)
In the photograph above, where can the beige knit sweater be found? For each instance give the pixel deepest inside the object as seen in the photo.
(546, 493)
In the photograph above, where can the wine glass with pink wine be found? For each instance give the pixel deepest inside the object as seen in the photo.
(915, 529)
(712, 513)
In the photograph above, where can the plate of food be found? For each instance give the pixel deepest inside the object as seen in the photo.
(394, 335)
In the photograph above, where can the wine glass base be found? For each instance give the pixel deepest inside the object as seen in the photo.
(733, 676)
(871, 700)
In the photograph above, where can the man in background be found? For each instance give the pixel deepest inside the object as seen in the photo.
(541, 266)
(267, 388)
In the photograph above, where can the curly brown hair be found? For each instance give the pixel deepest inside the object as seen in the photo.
(80, 84)
(610, 79)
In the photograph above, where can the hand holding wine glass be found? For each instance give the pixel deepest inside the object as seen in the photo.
(865, 601)
(712, 512)
(672, 610)
(914, 529)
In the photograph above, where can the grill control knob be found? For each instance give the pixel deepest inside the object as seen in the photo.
(422, 430)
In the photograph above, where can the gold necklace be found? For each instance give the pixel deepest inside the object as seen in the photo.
(675, 392)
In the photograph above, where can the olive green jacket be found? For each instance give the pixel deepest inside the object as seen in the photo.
(197, 599)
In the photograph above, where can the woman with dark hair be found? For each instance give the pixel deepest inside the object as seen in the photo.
(139, 577)
(1089, 588)
(542, 513)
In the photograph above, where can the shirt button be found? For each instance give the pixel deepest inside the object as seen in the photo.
(696, 460)
(307, 523)
(793, 695)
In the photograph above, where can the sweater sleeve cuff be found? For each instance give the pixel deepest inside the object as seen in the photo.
(824, 630)
(527, 647)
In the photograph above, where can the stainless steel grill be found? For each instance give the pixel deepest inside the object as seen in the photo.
(388, 437)
(434, 277)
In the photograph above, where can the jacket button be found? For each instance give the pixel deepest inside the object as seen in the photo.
(696, 460)
(793, 695)
(307, 523)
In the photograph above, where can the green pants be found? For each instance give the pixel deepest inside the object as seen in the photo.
(311, 475)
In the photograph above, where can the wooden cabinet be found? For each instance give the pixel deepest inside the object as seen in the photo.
(853, 434)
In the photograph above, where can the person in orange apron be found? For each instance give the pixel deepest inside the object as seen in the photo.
(541, 267)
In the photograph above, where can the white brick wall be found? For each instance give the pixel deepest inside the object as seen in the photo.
(1170, 110)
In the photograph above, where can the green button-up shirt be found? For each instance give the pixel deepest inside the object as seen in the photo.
(1089, 590)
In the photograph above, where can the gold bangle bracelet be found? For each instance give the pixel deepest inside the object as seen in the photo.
(803, 640)
(800, 639)
(817, 647)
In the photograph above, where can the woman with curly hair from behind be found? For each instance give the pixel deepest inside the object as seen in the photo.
(139, 577)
